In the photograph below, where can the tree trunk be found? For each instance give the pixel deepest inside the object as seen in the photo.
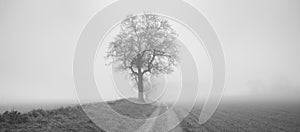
(140, 87)
(140, 77)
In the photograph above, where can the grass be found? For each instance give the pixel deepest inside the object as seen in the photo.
(65, 119)
(229, 117)
(133, 110)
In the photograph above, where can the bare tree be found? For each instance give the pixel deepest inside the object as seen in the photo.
(145, 45)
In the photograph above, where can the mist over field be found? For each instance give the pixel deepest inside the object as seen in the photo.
(260, 40)
(261, 47)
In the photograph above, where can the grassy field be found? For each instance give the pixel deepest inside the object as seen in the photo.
(247, 117)
(229, 117)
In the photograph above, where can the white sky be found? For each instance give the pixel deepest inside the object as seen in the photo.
(38, 37)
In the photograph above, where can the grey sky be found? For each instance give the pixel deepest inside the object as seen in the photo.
(38, 37)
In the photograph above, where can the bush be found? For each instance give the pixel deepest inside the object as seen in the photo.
(14, 117)
(38, 112)
(4, 126)
(70, 119)
(1, 120)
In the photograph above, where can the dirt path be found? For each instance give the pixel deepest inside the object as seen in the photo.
(148, 125)
(166, 122)
(111, 121)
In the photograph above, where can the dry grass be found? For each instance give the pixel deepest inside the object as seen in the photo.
(229, 117)
(247, 117)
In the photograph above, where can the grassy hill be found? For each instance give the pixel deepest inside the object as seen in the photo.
(68, 119)
(137, 111)
(231, 117)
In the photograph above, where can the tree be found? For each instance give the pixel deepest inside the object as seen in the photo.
(144, 46)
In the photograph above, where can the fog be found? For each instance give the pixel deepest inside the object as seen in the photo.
(37, 41)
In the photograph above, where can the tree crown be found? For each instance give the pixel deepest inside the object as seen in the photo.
(145, 44)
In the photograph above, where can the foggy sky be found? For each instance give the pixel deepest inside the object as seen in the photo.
(38, 37)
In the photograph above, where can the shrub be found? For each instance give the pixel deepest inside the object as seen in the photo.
(14, 117)
(1, 120)
(38, 112)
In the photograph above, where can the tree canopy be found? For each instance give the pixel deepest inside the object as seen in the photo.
(145, 45)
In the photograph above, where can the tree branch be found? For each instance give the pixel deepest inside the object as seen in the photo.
(131, 68)
(161, 53)
(150, 63)
(135, 31)
(145, 52)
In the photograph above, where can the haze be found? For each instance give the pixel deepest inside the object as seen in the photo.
(38, 37)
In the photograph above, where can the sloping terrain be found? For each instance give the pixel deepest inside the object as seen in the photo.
(68, 119)
(229, 117)
(247, 117)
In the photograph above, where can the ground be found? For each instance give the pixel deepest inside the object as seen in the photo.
(229, 117)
